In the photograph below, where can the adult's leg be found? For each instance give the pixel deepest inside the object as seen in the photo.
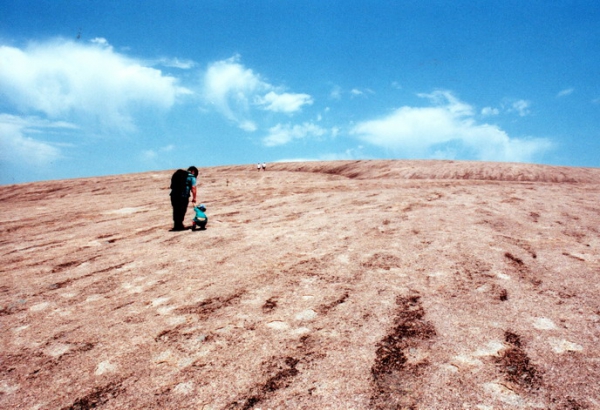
(180, 206)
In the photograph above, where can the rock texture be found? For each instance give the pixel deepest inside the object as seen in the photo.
(326, 285)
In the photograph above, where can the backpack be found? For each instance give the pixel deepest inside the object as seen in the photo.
(179, 183)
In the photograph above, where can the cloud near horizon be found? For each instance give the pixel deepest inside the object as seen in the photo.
(282, 134)
(18, 147)
(445, 129)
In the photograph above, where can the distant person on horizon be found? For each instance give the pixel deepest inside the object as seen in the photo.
(182, 184)
(264, 166)
(258, 167)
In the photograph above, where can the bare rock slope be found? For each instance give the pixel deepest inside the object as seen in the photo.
(327, 285)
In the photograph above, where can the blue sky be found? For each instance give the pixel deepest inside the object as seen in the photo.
(90, 88)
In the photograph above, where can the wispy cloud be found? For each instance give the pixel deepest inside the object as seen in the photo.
(101, 41)
(230, 87)
(348, 154)
(284, 133)
(565, 92)
(285, 102)
(445, 129)
(490, 111)
(235, 90)
(176, 63)
(248, 126)
(152, 154)
(336, 93)
(357, 92)
(521, 107)
(18, 146)
(86, 82)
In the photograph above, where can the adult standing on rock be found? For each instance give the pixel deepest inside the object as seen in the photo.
(182, 183)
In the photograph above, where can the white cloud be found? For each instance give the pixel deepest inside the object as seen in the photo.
(84, 82)
(101, 41)
(444, 129)
(150, 154)
(489, 111)
(248, 126)
(235, 90)
(355, 92)
(564, 93)
(230, 87)
(521, 107)
(18, 147)
(177, 63)
(336, 93)
(349, 154)
(284, 102)
(283, 133)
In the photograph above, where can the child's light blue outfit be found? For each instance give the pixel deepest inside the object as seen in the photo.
(200, 220)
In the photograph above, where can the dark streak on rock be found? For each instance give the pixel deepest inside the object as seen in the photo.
(97, 398)
(393, 376)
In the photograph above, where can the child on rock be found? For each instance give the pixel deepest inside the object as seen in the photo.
(200, 220)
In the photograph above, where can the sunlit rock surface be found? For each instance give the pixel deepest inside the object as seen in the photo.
(325, 285)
